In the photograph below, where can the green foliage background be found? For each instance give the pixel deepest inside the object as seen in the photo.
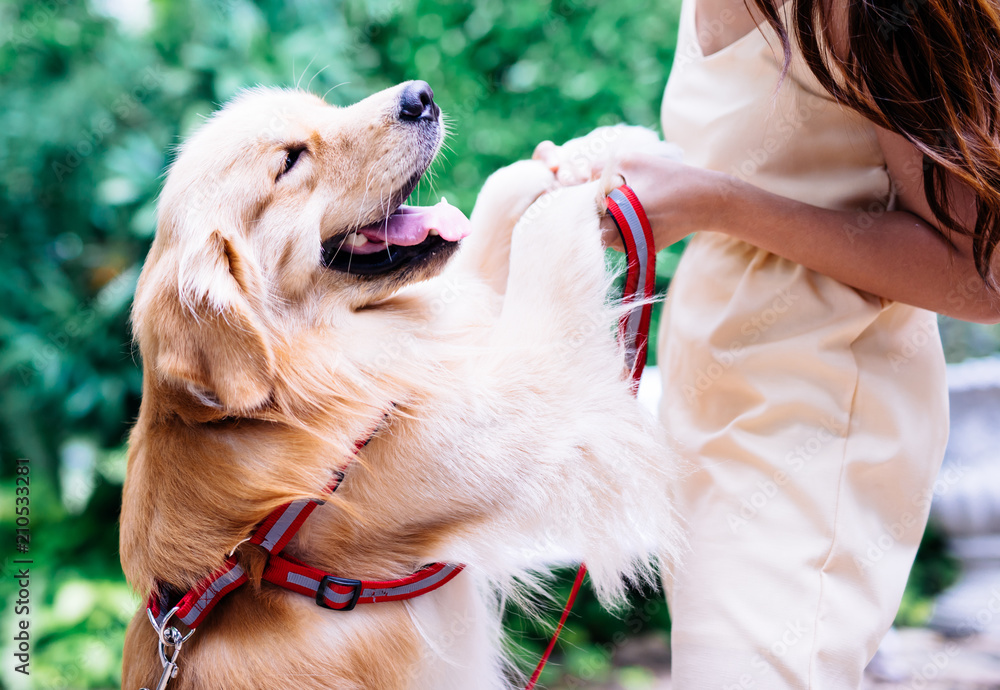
(96, 94)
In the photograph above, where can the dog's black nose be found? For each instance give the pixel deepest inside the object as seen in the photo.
(417, 103)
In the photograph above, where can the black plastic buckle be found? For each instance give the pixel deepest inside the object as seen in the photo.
(357, 586)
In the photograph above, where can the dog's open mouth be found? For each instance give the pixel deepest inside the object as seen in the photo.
(405, 236)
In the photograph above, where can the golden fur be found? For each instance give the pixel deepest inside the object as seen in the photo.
(510, 441)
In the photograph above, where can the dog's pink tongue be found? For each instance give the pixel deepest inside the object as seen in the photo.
(412, 224)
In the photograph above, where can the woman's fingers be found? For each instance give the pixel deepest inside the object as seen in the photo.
(547, 153)
(570, 168)
(577, 161)
(574, 171)
(609, 233)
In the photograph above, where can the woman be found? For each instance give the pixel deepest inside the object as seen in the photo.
(840, 197)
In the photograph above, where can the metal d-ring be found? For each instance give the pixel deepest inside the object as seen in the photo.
(160, 628)
(168, 636)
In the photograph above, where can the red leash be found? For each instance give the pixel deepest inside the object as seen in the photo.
(562, 621)
(637, 236)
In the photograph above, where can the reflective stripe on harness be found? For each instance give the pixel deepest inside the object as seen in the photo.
(343, 594)
(329, 591)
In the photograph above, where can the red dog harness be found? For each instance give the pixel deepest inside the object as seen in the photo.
(343, 594)
(337, 593)
(329, 591)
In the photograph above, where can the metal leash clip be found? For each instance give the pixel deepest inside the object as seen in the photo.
(169, 636)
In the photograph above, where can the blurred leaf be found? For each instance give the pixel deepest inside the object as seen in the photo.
(97, 96)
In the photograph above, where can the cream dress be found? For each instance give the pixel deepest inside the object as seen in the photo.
(815, 415)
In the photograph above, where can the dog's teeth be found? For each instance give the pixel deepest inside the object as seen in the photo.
(434, 231)
(356, 240)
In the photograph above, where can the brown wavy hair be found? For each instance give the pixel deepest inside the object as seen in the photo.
(928, 70)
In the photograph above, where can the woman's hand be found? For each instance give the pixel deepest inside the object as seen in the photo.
(569, 169)
(675, 196)
(898, 255)
(678, 199)
(584, 159)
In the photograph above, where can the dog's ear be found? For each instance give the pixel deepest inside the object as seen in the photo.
(199, 324)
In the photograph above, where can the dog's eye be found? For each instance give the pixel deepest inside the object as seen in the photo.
(291, 158)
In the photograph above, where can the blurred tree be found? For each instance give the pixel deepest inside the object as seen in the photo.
(96, 95)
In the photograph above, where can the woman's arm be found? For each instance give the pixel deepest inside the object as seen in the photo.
(898, 255)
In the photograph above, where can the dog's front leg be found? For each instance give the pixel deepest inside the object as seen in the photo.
(505, 196)
(557, 290)
(552, 446)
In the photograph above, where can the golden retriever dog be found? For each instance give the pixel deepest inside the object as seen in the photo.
(290, 306)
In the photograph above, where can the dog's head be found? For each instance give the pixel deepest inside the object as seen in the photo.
(281, 213)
